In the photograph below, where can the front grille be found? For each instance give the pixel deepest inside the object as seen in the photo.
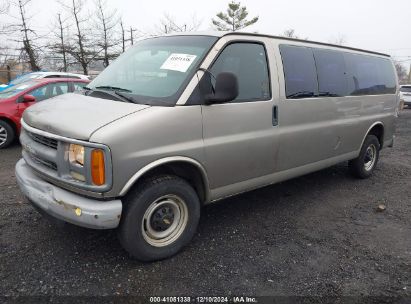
(46, 163)
(47, 154)
(49, 142)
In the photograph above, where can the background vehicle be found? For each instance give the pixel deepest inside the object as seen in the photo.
(40, 75)
(185, 120)
(405, 94)
(16, 99)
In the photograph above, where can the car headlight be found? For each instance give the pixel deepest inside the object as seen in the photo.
(76, 154)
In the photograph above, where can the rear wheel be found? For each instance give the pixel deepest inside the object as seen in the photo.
(159, 218)
(7, 134)
(363, 166)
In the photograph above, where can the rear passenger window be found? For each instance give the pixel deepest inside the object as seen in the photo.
(387, 74)
(299, 72)
(50, 90)
(249, 63)
(369, 75)
(331, 73)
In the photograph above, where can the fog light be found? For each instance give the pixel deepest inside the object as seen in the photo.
(77, 211)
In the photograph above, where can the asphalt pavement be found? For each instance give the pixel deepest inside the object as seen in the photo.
(320, 234)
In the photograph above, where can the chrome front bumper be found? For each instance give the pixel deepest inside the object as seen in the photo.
(65, 205)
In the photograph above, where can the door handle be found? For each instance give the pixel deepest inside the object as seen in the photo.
(275, 116)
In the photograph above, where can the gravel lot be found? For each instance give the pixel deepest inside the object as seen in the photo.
(315, 235)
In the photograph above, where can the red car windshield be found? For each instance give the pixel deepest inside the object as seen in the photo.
(15, 90)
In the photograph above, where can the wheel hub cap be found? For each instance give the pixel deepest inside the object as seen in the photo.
(162, 218)
(165, 220)
(3, 135)
(370, 157)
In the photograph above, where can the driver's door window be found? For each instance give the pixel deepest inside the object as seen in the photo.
(248, 61)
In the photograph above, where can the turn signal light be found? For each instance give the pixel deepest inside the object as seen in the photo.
(97, 167)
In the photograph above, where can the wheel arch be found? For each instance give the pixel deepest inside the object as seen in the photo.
(377, 129)
(11, 122)
(184, 167)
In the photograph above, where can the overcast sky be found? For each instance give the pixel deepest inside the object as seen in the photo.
(378, 25)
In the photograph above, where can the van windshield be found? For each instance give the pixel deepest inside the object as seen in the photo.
(154, 71)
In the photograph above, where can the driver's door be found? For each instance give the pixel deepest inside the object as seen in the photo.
(240, 137)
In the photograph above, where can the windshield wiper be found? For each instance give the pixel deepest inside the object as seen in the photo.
(113, 88)
(117, 91)
(128, 98)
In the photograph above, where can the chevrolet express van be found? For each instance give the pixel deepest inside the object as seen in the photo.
(180, 121)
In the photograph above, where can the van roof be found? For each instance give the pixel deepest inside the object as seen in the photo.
(223, 33)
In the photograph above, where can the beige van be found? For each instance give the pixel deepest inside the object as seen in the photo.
(181, 121)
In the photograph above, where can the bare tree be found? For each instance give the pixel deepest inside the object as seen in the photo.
(290, 33)
(168, 25)
(132, 31)
(105, 26)
(123, 36)
(60, 45)
(340, 39)
(23, 28)
(82, 49)
(401, 72)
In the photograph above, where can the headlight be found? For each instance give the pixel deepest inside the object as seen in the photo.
(76, 154)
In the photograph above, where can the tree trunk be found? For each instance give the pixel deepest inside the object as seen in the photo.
(123, 38)
(26, 42)
(131, 36)
(81, 56)
(63, 47)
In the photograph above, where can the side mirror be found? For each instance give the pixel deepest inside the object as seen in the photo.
(29, 98)
(226, 89)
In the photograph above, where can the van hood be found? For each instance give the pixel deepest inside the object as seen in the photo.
(77, 116)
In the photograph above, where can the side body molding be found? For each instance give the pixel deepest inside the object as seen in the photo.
(164, 161)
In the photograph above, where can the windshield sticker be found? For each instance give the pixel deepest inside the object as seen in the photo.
(178, 62)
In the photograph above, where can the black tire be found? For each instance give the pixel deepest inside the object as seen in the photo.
(141, 212)
(370, 152)
(7, 134)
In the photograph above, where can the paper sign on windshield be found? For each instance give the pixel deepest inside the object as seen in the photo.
(178, 62)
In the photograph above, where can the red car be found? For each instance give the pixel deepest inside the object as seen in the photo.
(14, 100)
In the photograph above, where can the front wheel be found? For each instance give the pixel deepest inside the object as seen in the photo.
(7, 134)
(363, 166)
(159, 218)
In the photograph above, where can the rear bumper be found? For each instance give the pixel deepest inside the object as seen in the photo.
(65, 205)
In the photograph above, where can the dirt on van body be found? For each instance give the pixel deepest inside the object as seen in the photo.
(320, 234)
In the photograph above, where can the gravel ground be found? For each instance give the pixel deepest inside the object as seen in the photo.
(315, 235)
